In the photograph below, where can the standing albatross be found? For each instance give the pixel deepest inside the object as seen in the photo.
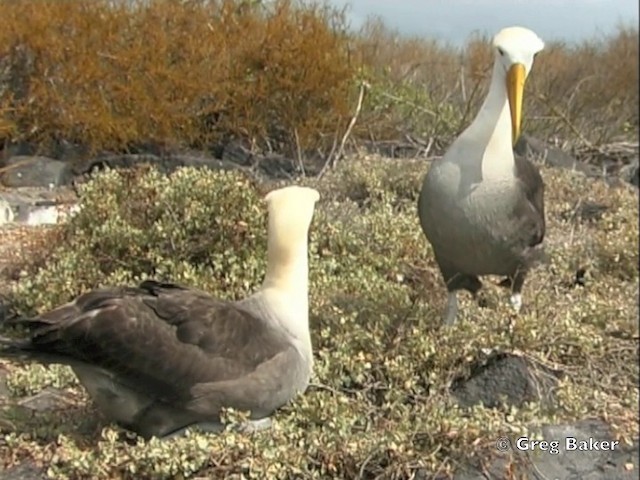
(160, 357)
(482, 209)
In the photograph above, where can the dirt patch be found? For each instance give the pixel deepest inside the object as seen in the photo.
(18, 245)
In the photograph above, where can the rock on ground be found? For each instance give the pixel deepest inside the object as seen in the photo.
(515, 380)
(36, 206)
(26, 171)
(26, 471)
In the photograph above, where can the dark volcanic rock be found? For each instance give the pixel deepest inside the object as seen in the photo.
(514, 380)
(26, 171)
(631, 173)
(237, 153)
(4, 308)
(58, 150)
(25, 471)
(165, 163)
(505, 378)
(49, 398)
(585, 212)
(397, 149)
(234, 157)
(272, 166)
(517, 457)
(532, 147)
(17, 149)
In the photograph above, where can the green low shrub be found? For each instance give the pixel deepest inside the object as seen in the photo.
(139, 224)
(379, 403)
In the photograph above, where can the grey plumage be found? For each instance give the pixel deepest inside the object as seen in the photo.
(160, 357)
(482, 209)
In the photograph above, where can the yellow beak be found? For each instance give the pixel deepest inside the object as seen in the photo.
(515, 89)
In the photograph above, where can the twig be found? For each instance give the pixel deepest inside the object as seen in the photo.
(426, 146)
(327, 388)
(427, 149)
(568, 122)
(615, 148)
(468, 103)
(334, 145)
(361, 471)
(405, 101)
(107, 56)
(333, 159)
(363, 87)
(299, 152)
(463, 89)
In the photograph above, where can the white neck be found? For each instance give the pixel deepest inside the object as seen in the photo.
(491, 130)
(285, 290)
(287, 267)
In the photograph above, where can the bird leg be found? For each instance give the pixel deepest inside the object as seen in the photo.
(458, 281)
(451, 311)
(515, 283)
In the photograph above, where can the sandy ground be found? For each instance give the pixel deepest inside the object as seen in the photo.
(17, 243)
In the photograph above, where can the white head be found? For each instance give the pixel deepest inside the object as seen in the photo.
(290, 213)
(515, 49)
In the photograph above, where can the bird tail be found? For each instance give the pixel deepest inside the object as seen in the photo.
(25, 351)
(36, 337)
(14, 349)
(44, 340)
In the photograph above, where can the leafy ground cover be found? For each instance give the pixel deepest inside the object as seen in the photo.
(379, 406)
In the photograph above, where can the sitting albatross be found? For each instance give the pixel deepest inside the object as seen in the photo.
(482, 209)
(160, 357)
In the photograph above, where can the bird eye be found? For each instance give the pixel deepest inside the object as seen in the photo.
(500, 51)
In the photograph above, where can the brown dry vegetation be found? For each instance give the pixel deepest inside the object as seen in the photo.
(585, 94)
(114, 74)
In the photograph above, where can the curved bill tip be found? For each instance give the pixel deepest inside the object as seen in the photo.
(515, 88)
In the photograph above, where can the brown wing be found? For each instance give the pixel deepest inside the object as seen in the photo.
(161, 338)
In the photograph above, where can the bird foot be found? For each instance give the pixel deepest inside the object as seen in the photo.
(249, 426)
(203, 427)
(516, 302)
(252, 426)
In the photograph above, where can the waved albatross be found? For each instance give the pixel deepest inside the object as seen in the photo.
(160, 357)
(482, 209)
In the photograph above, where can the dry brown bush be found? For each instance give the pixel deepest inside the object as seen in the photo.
(585, 94)
(413, 82)
(111, 73)
(588, 92)
(284, 77)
